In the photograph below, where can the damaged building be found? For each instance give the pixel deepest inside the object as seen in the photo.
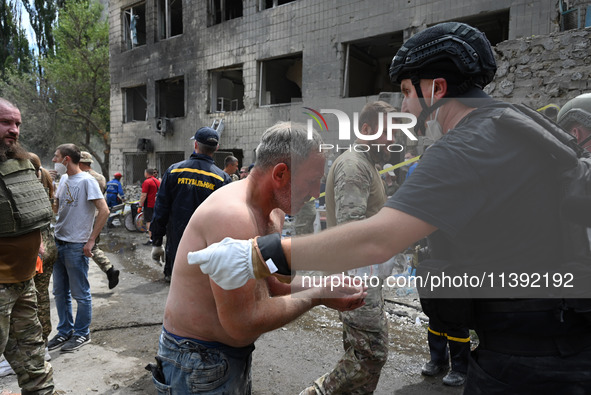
(242, 65)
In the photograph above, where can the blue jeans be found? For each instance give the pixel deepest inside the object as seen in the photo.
(189, 366)
(70, 280)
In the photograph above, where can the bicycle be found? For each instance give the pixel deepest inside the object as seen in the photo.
(125, 213)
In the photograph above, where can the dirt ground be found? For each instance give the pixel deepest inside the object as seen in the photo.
(127, 321)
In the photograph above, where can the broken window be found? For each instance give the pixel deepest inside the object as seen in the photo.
(227, 90)
(136, 104)
(167, 158)
(264, 4)
(223, 10)
(135, 164)
(170, 18)
(134, 26)
(495, 25)
(170, 95)
(366, 65)
(280, 80)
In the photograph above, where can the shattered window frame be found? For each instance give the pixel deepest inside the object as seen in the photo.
(219, 11)
(135, 104)
(227, 89)
(274, 84)
(134, 26)
(170, 18)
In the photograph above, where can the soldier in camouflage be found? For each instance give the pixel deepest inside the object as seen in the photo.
(24, 210)
(354, 191)
(98, 256)
(48, 256)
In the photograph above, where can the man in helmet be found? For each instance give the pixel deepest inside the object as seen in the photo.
(575, 118)
(481, 216)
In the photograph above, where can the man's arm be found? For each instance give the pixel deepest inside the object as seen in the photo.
(248, 312)
(355, 244)
(99, 222)
(143, 199)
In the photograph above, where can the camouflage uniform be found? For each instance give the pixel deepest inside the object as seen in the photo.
(98, 256)
(354, 191)
(304, 219)
(42, 281)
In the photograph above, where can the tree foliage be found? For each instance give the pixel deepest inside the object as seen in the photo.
(15, 55)
(37, 132)
(78, 74)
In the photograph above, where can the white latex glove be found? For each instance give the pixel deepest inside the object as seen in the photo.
(228, 263)
(158, 254)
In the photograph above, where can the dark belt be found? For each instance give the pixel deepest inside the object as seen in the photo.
(61, 242)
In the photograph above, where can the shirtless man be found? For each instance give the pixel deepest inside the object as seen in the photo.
(209, 333)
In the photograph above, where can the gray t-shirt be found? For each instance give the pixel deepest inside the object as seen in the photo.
(76, 210)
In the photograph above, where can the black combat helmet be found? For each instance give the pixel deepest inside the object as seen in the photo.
(455, 51)
(450, 42)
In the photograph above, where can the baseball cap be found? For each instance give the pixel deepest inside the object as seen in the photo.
(387, 166)
(85, 157)
(119, 175)
(207, 136)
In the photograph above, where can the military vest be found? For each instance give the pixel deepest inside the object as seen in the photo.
(24, 205)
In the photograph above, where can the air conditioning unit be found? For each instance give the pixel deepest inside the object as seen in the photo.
(163, 126)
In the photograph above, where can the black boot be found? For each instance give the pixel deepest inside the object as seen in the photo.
(113, 276)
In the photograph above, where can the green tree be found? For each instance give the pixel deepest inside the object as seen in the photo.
(78, 76)
(14, 46)
(36, 110)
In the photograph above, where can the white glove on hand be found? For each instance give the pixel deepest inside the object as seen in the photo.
(228, 263)
(158, 254)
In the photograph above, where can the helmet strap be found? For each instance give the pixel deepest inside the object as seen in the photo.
(422, 118)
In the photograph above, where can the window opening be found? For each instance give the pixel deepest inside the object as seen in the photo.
(265, 4)
(136, 104)
(280, 80)
(223, 10)
(134, 26)
(170, 18)
(227, 90)
(171, 98)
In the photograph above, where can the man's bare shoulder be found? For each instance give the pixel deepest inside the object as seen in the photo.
(225, 213)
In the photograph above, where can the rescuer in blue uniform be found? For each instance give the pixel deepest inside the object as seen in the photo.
(185, 185)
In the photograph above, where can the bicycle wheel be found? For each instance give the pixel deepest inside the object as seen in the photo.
(129, 223)
(140, 225)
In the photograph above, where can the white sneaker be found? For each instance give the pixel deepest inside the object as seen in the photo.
(5, 369)
(47, 355)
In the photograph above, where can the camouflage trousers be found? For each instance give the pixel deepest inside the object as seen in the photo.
(21, 340)
(99, 257)
(365, 340)
(42, 281)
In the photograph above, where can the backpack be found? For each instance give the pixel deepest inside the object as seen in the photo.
(573, 166)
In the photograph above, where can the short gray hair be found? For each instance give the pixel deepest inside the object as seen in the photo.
(284, 142)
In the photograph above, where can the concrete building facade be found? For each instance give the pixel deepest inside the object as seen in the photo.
(241, 66)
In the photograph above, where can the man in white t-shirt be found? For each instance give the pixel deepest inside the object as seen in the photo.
(76, 229)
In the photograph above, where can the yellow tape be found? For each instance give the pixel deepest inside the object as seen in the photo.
(453, 339)
(416, 158)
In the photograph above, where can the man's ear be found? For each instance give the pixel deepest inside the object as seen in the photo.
(281, 174)
(577, 133)
(366, 129)
(440, 88)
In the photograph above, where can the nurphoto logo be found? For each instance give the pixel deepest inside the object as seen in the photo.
(394, 121)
